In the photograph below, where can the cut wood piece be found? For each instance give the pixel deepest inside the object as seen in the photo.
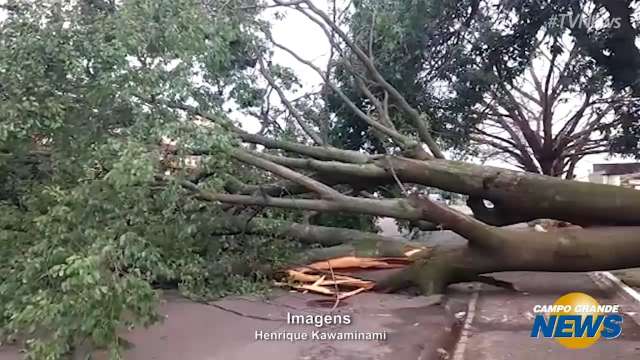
(349, 283)
(351, 293)
(347, 262)
(412, 252)
(314, 288)
(317, 282)
(299, 276)
(315, 277)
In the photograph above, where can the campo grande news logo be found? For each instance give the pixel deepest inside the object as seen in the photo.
(577, 321)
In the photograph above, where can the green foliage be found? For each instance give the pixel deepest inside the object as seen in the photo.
(87, 230)
(422, 48)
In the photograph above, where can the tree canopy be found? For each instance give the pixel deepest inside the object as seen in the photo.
(449, 55)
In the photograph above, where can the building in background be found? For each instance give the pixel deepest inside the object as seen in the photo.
(620, 174)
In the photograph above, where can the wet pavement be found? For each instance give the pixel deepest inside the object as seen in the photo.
(415, 328)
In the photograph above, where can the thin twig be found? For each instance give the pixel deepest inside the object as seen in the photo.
(236, 312)
(395, 176)
(335, 284)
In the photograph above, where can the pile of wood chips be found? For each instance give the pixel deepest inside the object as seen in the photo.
(331, 277)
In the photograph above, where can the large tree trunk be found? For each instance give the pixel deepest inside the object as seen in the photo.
(489, 248)
(493, 249)
(516, 196)
(529, 196)
(564, 250)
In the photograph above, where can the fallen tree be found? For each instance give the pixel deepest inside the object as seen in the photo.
(318, 176)
(335, 242)
(311, 173)
(489, 249)
(517, 196)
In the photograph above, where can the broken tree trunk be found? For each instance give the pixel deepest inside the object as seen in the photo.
(516, 196)
(493, 249)
(490, 248)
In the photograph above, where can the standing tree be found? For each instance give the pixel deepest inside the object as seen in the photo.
(447, 57)
(545, 121)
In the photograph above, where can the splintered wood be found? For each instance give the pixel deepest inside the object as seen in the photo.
(322, 277)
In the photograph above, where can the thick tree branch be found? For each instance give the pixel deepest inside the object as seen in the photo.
(284, 172)
(317, 152)
(305, 233)
(414, 208)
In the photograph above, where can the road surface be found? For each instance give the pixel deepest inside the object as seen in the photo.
(496, 328)
(501, 326)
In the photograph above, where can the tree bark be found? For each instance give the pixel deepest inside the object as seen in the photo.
(309, 234)
(530, 196)
(335, 242)
(517, 196)
(489, 249)
(564, 250)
